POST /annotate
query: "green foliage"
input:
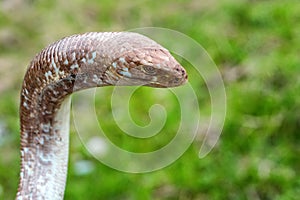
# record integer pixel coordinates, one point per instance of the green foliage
(255, 44)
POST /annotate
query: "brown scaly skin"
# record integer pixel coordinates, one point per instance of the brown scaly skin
(68, 65)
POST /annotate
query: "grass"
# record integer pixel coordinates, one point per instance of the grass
(255, 45)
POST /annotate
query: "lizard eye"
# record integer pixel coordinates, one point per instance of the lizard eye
(176, 80)
(149, 70)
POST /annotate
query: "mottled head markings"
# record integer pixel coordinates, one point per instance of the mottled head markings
(150, 67)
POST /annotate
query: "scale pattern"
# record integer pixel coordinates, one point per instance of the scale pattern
(68, 65)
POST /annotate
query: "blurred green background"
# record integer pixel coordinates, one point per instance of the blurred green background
(256, 46)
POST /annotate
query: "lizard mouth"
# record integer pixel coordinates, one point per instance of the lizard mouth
(156, 85)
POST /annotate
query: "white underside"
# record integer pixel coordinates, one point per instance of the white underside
(56, 187)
